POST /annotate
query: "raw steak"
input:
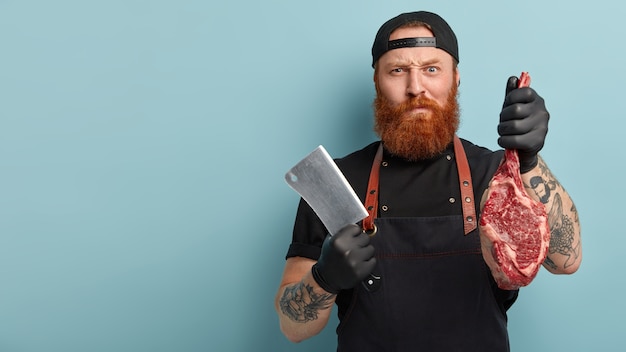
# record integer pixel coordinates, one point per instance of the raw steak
(514, 231)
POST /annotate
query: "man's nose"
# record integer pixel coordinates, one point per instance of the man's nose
(414, 85)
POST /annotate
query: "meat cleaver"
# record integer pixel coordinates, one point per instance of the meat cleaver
(322, 185)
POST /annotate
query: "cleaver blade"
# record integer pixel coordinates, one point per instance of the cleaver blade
(322, 185)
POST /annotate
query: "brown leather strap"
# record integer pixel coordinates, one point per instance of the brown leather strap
(371, 199)
(465, 184)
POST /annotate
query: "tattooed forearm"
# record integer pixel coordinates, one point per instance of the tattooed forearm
(562, 220)
(561, 232)
(301, 304)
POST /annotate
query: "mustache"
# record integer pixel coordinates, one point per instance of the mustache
(421, 102)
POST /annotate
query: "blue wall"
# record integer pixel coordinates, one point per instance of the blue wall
(143, 146)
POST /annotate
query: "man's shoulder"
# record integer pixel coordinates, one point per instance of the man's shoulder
(483, 161)
(356, 166)
(359, 157)
(474, 151)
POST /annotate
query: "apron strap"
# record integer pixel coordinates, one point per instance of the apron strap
(371, 199)
(465, 184)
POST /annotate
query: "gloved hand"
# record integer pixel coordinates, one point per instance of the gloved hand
(347, 258)
(523, 123)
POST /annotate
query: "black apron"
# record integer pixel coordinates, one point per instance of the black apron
(430, 291)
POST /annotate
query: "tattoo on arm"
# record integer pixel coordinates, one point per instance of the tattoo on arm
(550, 263)
(548, 189)
(541, 188)
(575, 212)
(302, 305)
(561, 232)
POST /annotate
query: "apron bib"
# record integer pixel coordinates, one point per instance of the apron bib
(430, 291)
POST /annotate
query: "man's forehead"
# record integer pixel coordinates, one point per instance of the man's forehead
(410, 32)
(419, 56)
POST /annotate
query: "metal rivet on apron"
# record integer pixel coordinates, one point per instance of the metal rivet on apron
(372, 283)
(384, 163)
(468, 199)
(451, 200)
(385, 208)
(465, 183)
(470, 219)
(448, 157)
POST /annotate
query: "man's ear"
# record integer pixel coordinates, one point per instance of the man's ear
(375, 73)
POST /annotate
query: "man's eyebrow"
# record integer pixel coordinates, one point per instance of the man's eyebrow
(406, 62)
(430, 62)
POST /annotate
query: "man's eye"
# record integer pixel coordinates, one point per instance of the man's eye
(397, 70)
(432, 69)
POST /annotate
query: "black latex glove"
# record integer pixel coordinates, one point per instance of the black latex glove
(523, 123)
(347, 258)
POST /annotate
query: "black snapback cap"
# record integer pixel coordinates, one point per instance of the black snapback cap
(444, 37)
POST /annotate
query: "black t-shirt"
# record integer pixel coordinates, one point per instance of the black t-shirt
(406, 189)
(425, 188)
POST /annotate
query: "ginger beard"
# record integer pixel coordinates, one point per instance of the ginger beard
(416, 136)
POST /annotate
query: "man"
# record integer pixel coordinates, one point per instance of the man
(418, 282)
